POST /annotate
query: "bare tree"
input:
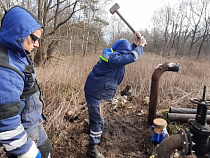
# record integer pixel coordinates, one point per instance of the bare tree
(205, 27)
(54, 15)
(183, 29)
(60, 18)
(195, 19)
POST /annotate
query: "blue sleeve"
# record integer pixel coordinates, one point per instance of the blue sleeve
(12, 134)
(118, 60)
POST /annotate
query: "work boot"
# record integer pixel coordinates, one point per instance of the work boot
(92, 152)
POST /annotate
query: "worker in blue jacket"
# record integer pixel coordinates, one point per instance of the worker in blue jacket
(102, 83)
(21, 131)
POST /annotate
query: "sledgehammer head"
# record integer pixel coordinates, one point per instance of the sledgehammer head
(114, 8)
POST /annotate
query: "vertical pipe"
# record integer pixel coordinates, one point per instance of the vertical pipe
(154, 93)
(167, 66)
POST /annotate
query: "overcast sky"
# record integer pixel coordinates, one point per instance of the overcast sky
(138, 13)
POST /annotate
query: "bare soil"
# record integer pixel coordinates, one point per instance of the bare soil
(126, 133)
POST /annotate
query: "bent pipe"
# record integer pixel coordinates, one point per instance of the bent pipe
(184, 117)
(185, 110)
(169, 145)
(167, 66)
(179, 141)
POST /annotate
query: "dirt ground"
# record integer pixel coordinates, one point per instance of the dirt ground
(126, 132)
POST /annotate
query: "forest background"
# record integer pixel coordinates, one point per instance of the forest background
(81, 27)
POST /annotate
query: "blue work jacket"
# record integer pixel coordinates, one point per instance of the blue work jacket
(20, 104)
(109, 71)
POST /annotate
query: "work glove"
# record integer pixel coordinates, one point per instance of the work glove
(39, 155)
(33, 152)
(140, 40)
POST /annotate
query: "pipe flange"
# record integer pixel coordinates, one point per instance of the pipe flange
(191, 143)
(185, 142)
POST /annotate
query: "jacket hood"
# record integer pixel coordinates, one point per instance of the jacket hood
(17, 24)
(122, 46)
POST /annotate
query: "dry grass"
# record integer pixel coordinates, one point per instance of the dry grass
(62, 83)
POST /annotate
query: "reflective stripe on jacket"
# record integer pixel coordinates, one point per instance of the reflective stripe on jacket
(109, 71)
(20, 104)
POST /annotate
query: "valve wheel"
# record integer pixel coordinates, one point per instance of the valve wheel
(200, 102)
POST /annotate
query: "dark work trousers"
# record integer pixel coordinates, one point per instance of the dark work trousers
(95, 118)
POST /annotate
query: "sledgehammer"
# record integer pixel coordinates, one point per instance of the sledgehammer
(114, 9)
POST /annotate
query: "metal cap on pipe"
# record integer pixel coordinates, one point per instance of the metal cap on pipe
(159, 125)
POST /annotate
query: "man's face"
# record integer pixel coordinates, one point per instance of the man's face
(31, 41)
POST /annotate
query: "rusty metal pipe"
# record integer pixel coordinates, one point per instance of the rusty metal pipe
(179, 141)
(183, 117)
(185, 110)
(168, 66)
(169, 145)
